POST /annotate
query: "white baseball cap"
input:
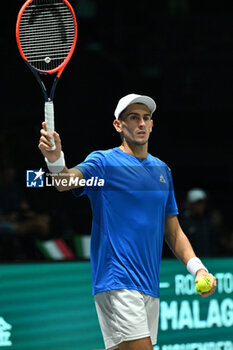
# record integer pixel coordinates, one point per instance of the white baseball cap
(196, 194)
(127, 100)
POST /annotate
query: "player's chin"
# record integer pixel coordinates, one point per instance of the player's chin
(141, 141)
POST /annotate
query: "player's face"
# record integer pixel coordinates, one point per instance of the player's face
(136, 124)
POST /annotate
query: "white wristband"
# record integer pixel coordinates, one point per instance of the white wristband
(195, 264)
(58, 165)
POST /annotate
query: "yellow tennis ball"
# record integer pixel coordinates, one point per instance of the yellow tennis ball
(203, 285)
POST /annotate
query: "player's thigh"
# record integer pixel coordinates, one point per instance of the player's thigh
(152, 309)
(138, 344)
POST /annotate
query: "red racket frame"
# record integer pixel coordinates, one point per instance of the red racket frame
(62, 66)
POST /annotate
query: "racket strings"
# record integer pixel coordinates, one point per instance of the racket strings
(46, 33)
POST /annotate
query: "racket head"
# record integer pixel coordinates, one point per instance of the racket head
(46, 34)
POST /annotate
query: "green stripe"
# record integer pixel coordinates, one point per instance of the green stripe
(78, 246)
(43, 250)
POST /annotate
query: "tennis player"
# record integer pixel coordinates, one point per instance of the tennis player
(132, 213)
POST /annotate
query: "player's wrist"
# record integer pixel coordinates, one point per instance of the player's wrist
(58, 165)
(194, 265)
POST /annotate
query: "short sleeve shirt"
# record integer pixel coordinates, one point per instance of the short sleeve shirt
(129, 211)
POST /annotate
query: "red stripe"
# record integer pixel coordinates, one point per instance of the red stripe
(64, 249)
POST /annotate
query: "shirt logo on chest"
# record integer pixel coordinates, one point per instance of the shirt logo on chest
(161, 179)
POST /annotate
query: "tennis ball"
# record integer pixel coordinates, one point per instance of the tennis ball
(203, 285)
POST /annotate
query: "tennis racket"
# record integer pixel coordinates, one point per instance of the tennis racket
(46, 35)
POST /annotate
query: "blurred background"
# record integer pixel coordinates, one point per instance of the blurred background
(179, 52)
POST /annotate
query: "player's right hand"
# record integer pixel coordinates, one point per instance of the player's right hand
(45, 144)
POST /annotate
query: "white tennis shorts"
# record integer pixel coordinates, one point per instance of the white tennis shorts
(127, 315)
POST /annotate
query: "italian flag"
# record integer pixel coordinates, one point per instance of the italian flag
(55, 249)
(82, 246)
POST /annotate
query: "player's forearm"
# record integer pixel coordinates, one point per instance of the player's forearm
(67, 179)
(180, 246)
(64, 179)
(177, 240)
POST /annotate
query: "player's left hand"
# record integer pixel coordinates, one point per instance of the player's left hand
(202, 273)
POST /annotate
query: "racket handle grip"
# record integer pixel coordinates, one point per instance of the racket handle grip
(49, 118)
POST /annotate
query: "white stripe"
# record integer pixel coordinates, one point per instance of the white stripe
(86, 242)
(53, 250)
(164, 285)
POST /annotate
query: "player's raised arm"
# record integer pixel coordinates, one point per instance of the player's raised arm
(56, 162)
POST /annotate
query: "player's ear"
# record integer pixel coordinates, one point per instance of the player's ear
(152, 124)
(117, 125)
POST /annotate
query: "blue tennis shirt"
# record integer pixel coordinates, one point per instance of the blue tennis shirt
(128, 219)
